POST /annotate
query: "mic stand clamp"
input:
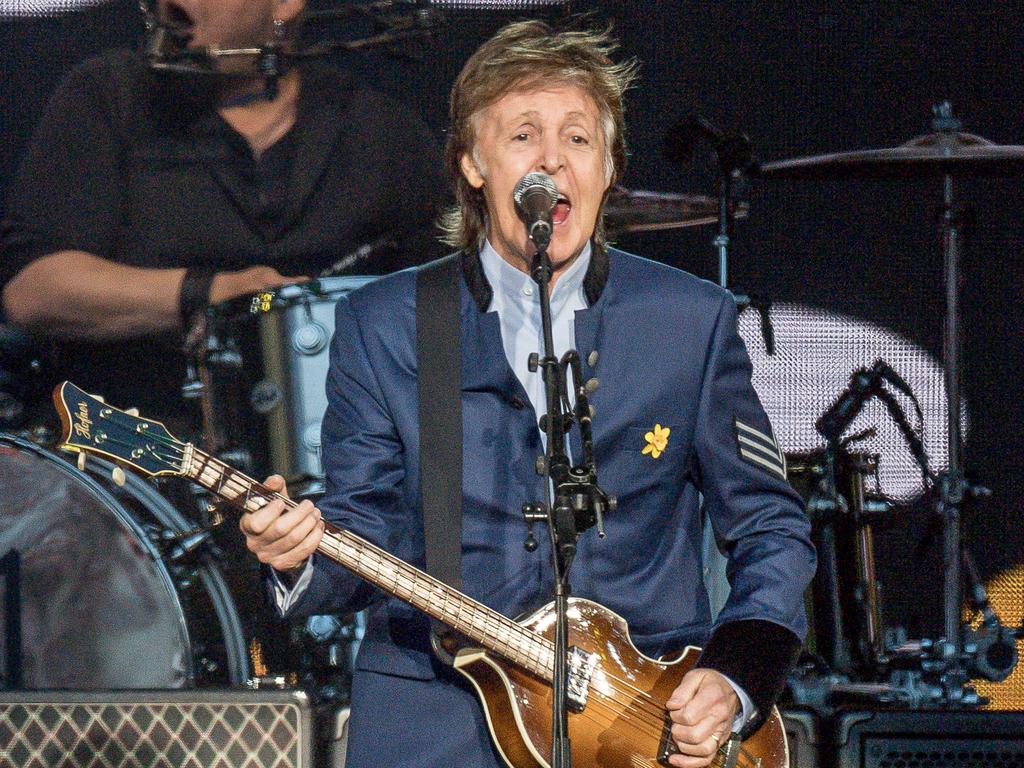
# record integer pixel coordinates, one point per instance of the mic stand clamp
(578, 503)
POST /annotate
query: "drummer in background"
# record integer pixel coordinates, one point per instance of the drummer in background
(146, 196)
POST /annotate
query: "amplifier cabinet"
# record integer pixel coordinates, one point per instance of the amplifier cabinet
(155, 729)
(802, 735)
(930, 739)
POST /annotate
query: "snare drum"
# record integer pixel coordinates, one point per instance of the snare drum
(87, 596)
(265, 373)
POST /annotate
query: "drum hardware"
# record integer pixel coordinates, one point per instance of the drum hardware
(167, 48)
(183, 547)
(259, 373)
(100, 606)
(734, 155)
(991, 648)
(214, 377)
(380, 246)
(946, 153)
(327, 646)
(262, 371)
(636, 210)
(846, 622)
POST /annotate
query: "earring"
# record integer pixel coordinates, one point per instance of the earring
(279, 30)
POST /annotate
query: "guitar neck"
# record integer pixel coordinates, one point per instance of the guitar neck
(475, 621)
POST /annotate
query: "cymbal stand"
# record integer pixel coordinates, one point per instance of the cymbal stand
(951, 481)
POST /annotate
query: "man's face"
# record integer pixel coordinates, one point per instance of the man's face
(556, 131)
(221, 23)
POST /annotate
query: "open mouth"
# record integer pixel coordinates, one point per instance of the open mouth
(561, 210)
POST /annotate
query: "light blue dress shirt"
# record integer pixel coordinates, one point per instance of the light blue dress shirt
(516, 299)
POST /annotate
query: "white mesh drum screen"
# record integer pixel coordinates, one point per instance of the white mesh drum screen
(815, 353)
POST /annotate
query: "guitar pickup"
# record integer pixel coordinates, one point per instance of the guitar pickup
(580, 671)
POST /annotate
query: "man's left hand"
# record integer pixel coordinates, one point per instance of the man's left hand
(702, 710)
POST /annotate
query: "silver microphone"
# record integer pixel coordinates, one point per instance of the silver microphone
(535, 195)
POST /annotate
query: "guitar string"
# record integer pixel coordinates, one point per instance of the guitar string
(232, 475)
(232, 480)
(236, 481)
(639, 721)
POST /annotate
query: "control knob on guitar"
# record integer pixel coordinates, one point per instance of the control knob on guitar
(617, 696)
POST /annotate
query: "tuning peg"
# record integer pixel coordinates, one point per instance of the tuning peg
(132, 411)
(81, 461)
(117, 475)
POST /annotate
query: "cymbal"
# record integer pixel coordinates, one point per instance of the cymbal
(636, 210)
(933, 154)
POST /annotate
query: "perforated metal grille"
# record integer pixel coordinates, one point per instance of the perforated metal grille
(1006, 593)
(816, 351)
(495, 5)
(14, 9)
(944, 753)
(123, 735)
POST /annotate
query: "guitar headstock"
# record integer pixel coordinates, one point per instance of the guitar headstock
(91, 426)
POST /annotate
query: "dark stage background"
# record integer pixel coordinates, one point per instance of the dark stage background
(800, 79)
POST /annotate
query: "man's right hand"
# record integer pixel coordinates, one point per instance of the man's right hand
(244, 282)
(283, 538)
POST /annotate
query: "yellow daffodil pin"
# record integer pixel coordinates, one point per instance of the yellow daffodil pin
(657, 439)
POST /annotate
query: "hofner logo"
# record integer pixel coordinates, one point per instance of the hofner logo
(84, 423)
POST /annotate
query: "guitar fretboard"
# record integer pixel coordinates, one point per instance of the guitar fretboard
(474, 620)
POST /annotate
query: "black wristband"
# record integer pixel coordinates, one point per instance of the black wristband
(194, 294)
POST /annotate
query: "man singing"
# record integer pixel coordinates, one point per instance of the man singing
(676, 426)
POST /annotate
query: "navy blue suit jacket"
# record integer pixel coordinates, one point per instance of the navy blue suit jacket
(668, 354)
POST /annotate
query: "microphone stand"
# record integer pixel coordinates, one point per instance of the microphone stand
(734, 152)
(578, 501)
(165, 45)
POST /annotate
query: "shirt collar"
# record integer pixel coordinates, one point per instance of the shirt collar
(509, 282)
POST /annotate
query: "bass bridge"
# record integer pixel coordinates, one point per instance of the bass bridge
(728, 752)
(580, 670)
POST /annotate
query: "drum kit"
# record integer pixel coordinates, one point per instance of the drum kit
(119, 583)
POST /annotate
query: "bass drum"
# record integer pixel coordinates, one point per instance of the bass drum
(87, 597)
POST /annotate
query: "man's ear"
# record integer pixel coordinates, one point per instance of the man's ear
(471, 171)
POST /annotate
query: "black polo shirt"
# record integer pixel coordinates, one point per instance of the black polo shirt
(138, 169)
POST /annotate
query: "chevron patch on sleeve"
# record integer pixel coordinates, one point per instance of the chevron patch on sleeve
(759, 449)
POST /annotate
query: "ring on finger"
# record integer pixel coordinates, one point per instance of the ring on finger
(717, 738)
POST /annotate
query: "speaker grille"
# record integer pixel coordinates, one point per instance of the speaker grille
(127, 731)
(930, 739)
(937, 753)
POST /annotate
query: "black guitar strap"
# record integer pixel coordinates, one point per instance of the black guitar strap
(439, 381)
